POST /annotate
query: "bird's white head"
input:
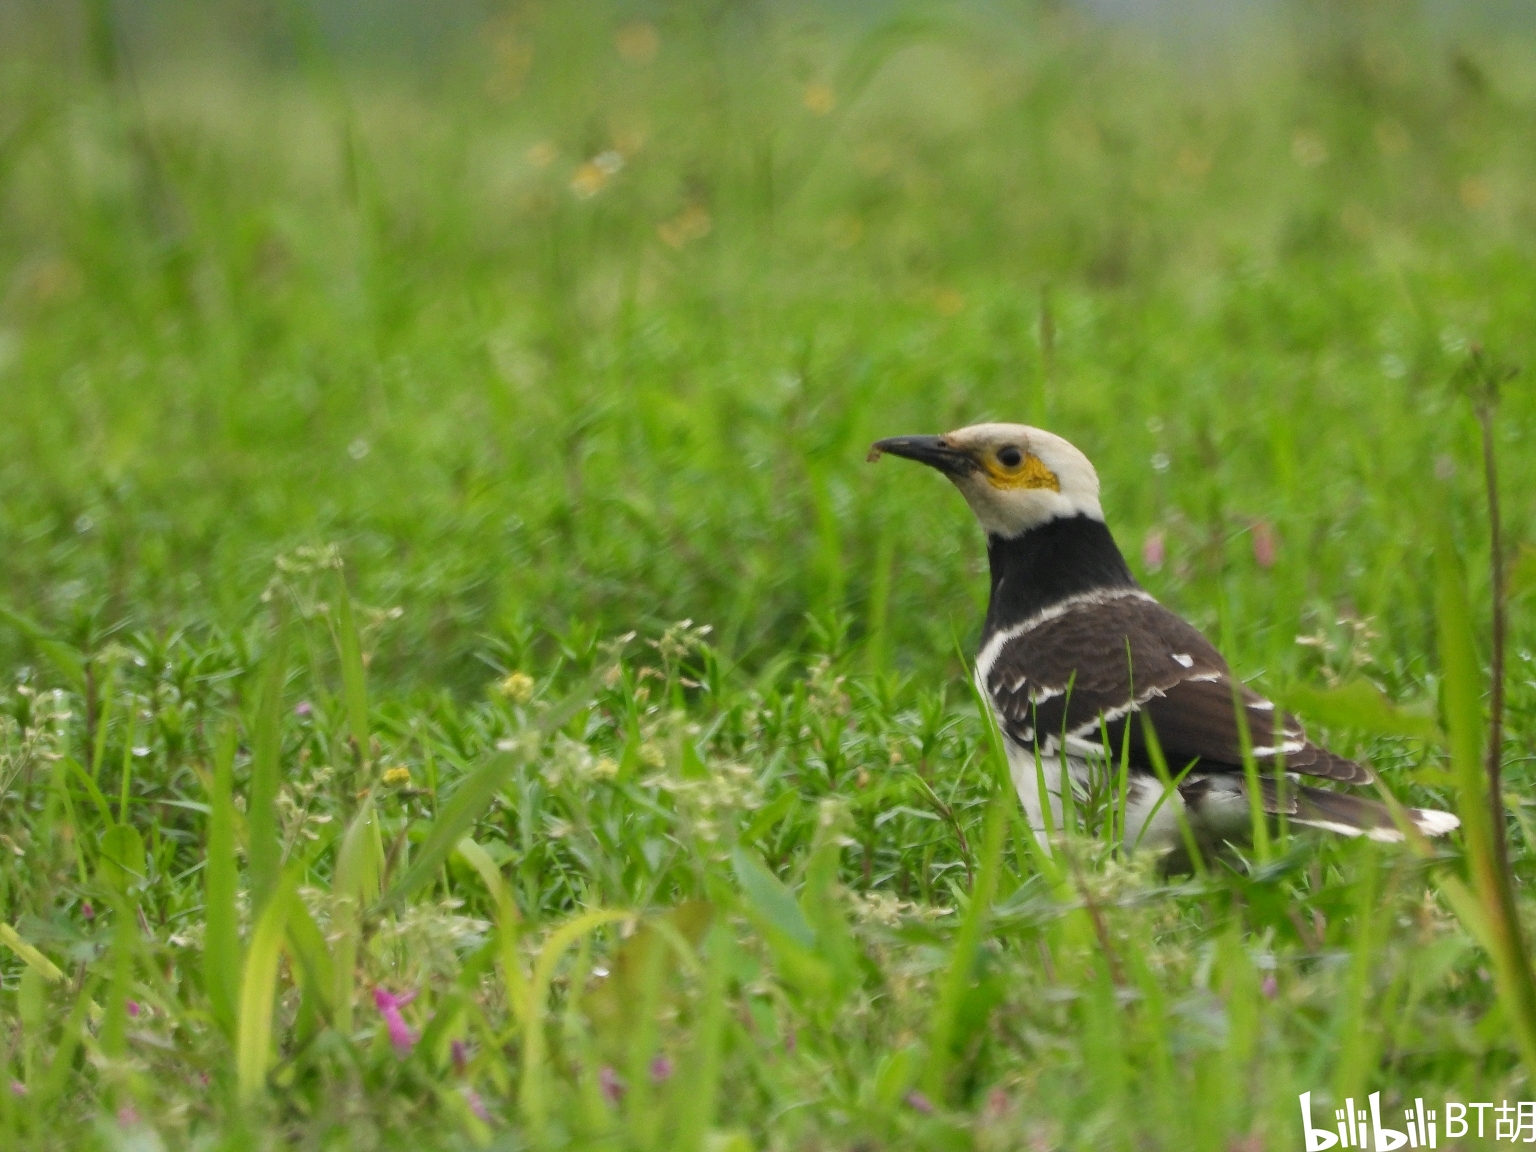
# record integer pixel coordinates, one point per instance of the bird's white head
(1014, 477)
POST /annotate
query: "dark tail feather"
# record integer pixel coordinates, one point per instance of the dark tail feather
(1302, 806)
(1354, 816)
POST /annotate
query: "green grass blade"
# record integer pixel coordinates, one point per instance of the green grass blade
(104, 721)
(470, 800)
(467, 804)
(103, 809)
(354, 886)
(353, 678)
(264, 853)
(1026, 844)
(819, 900)
(1069, 821)
(1357, 1039)
(127, 775)
(770, 900)
(793, 940)
(70, 1035)
(67, 660)
(33, 958)
(114, 1022)
(221, 935)
(877, 623)
(508, 925)
(1363, 707)
(1170, 791)
(258, 994)
(71, 826)
(769, 815)
(1465, 734)
(962, 956)
(312, 964)
(120, 857)
(701, 1083)
(533, 1091)
(1257, 820)
(480, 860)
(1463, 708)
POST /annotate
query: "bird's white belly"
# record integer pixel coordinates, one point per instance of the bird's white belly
(1030, 774)
(1148, 824)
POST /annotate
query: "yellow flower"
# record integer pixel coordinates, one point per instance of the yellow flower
(591, 177)
(588, 181)
(819, 98)
(518, 688)
(692, 223)
(398, 776)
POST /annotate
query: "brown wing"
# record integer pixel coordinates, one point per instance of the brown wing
(1087, 671)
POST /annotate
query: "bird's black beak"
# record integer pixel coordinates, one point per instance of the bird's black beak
(934, 451)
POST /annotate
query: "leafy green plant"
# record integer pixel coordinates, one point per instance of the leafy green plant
(622, 790)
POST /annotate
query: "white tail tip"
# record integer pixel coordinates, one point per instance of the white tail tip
(1432, 822)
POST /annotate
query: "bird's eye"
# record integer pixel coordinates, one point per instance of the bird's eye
(1010, 457)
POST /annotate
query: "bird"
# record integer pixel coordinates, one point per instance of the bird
(1078, 661)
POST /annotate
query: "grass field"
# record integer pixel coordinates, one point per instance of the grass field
(462, 685)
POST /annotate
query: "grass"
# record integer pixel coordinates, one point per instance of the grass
(463, 687)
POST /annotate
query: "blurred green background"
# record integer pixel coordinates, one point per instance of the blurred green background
(585, 313)
(560, 321)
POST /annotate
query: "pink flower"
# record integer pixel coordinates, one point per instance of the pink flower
(1263, 544)
(302, 708)
(400, 1035)
(661, 1069)
(18, 1088)
(476, 1105)
(127, 1116)
(87, 909)
(918, 1101)
(133, 1009)
(1153, 550)
(611, 1084)
(1270, 987)
(460, 1053)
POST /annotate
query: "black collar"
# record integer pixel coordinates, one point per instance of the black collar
(1064, 557)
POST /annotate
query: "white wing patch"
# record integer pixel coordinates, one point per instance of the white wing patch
(994, 646)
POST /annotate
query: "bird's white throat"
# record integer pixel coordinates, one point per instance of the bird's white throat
(1007, 510)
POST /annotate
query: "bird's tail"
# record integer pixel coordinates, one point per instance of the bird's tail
(1354, 816)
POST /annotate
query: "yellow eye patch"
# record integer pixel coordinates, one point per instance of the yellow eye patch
(1030, 472)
